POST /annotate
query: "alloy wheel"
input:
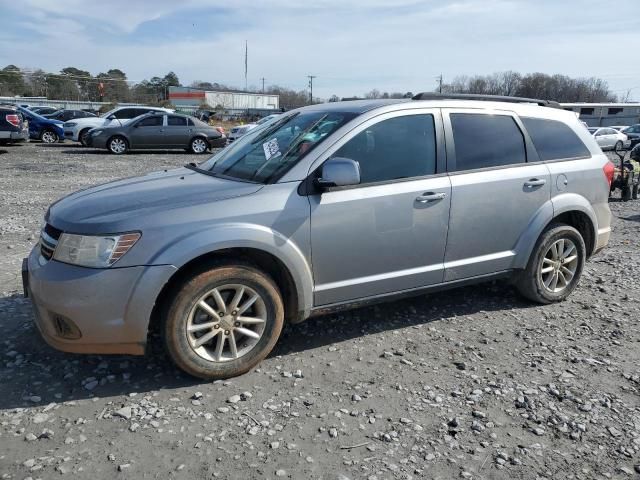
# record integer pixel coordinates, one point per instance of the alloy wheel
(226, 323)
(199, 145)
(117, 145)
(559, 265)
(49, 137)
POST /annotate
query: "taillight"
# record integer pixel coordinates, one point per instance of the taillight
(220, 129)
(609, 171)
(13, 119)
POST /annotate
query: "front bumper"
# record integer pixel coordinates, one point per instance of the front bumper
(86, 310)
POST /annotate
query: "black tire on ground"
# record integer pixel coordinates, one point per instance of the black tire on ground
(4, 142)
(530, 284)
(49, 136)
(118, 145)
(82, 137)
(186, 296)
(198, 145)
(626, 193)
(618, 146)
(634, 191)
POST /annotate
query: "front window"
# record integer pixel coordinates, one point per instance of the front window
(269, 150)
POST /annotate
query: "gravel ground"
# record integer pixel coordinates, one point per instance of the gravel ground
(471, 383)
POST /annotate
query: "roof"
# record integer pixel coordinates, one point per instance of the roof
(612, 105)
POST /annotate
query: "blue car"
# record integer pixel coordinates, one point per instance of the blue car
(40, 128)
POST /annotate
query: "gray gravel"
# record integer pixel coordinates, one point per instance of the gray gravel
(471, 383)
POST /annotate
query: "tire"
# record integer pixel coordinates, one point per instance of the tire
(49, 136)
(532, 283)
(198, 145)
(626, 189)
(118, 145)
(634, 191)
(82, 137)
(208, 360)
(618, 146)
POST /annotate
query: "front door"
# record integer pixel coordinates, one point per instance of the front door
(387, 234)
(148, 132)
(497, 187)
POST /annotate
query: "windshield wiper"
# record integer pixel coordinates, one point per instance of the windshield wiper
(195, 168)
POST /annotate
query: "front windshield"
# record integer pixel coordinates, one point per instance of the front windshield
(270, 149)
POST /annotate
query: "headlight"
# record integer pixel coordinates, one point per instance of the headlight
(70, 124)
(93, 251)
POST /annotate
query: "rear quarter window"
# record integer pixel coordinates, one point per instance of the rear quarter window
(554, 140)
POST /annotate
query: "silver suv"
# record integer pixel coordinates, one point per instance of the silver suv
(322, 208)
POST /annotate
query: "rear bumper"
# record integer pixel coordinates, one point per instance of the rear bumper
(85, 310)
(21, 136)
(602, 239)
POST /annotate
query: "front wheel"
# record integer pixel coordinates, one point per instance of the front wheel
(49, 136)
(223, 321)
(555, 265)
(198, 145)
(117, 145)
(84, 135)
(618, 146)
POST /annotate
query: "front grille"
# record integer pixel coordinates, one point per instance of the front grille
(49, 241)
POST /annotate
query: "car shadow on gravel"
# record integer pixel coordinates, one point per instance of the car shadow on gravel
(33, 374)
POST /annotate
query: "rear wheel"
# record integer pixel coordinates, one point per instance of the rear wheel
(618, 146)
(118, 145)
(198, 145)
(555, 265)
(49, 136)
(223, 322)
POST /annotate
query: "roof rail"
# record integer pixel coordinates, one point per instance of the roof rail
(487, 98)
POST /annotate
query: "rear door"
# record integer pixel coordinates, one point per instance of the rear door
(177, 132)
(497, 186)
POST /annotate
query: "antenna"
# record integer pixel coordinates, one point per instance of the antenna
(311, 77)
(246, 63)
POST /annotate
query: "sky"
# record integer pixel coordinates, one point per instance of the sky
(351, 46)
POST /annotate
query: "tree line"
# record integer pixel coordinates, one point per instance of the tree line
(112, 86)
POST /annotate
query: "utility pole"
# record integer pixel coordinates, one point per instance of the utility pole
(311, 77)
(262, 84)
(439, 83)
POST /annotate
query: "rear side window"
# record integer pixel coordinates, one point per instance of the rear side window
(483, 141)
(554, 140)
(125, 113)
(176, 121)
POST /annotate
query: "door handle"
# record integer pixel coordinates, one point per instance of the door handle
(535, 182)
(430, 197)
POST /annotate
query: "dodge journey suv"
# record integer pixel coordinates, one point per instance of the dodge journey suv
(321, 208)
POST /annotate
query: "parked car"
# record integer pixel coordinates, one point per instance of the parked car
(41, 128)
(77, 129)
(633, 133)
(66, 115)
(239, 130)
(329, 206)
(44, 110)
(609, 138)
(13, 127)
(157, 130)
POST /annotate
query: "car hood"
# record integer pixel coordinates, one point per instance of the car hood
(125, 205)
(93, 122)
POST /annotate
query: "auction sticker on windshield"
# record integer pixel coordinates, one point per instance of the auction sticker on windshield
(271, 149)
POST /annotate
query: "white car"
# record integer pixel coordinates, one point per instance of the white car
(609, 138)
(239, 130)
(78, 128)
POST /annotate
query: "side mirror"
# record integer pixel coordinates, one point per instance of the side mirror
(111, 117)
(339, 172)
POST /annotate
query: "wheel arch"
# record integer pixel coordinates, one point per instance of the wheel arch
(570, 209)
(263, 248)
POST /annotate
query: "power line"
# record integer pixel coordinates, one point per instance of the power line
(311, 77)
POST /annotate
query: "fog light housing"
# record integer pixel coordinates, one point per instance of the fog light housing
(64, 327)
